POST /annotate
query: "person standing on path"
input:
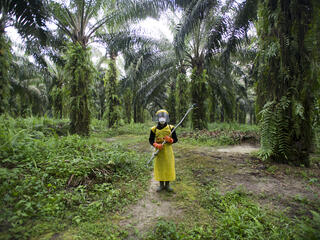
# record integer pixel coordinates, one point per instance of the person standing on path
(164, 165)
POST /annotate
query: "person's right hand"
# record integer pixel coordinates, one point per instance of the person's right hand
(158, 145)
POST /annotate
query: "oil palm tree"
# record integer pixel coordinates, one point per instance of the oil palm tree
(58, 80)
(198, 37)
(80, 21)
(214, 34)
(288, 70)
(28, 16)
(149, 67)
(29, 94)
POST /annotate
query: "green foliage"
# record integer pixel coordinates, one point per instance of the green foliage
(103, 230)
(80, 72)
(271, 116)
(5, 57)
(57, 95)
(203, 139)
(99, 129)
(309, 229)
(59, 92)
(276, 133)
(29, 88)
(67, 179)
(164, 231)
(171, 103)
(233, 127)
(127, 105)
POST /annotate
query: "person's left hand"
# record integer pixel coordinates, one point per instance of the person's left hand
(168, 139)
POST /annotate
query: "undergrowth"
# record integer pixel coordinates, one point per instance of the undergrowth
(220, 134)
(46, 179)
(99, 128)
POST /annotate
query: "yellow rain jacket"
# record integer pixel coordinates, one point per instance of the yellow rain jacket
(164, 166)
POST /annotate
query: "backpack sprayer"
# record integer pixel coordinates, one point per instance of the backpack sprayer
(156, 152)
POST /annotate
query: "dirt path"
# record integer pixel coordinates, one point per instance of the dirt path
(145, 213)
(244, 148)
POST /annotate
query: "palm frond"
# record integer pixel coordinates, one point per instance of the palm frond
(191, 20)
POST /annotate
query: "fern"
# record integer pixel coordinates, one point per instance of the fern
(282, 138)
(274, 125)
(268, 130)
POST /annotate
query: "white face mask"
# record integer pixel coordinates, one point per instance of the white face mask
(162, 120)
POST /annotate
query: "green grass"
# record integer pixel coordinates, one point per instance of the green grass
(205, 140)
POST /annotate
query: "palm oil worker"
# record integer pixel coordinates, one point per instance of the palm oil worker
(164, 165)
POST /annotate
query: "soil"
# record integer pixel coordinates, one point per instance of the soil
(276, 186)
(144, 214)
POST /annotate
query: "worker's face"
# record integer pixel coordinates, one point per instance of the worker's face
(162, 120)
(162, 117)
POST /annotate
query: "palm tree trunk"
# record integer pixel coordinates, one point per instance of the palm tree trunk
(182, 95)
(5, 57)
(287, 81)
(113, 99)
(171, 103)
(79, 67)
(199, 95)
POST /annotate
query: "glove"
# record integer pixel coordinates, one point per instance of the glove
(158, 145)
(168, 139)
